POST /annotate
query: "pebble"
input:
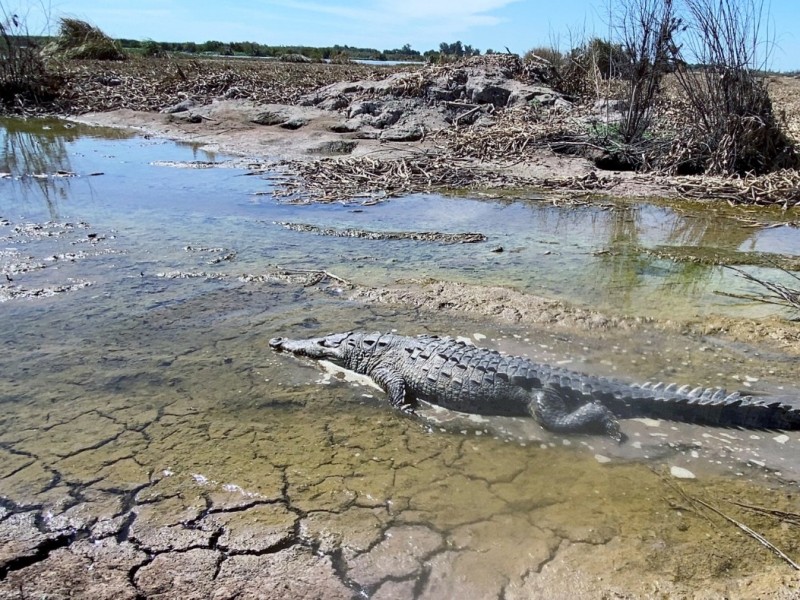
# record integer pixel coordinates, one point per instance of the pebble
(681, 473)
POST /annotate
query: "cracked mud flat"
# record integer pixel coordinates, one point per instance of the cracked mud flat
(202, 465)
(152, 446)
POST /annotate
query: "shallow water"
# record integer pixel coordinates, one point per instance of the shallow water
(149, 411)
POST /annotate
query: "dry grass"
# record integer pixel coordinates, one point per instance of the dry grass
(79, 40)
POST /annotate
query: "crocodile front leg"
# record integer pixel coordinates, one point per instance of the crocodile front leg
(394, 385)
(549, 408)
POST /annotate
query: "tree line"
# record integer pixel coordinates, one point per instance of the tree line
(406, 52)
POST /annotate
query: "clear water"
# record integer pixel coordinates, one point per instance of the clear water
(134, 377)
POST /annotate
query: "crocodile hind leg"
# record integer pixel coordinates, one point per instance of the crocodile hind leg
(550, 409)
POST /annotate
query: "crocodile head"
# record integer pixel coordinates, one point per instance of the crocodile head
(330, 347)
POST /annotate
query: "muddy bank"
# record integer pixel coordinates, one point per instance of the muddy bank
(505, 305)
(449, 115)
(227, 126)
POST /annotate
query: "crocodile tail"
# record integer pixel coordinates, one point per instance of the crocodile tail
(710, 406)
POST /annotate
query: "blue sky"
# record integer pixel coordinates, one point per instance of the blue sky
(382, 24)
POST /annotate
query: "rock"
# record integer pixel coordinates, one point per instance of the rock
(346, 126)
(410, 132)
(681, 473)
(108, 80)
(362, 108)
(389, 115)
(295, 123)
(269, 117)
(335, 147)
(335, 102)
(443, 94)
(179, 107)
(285, 117)
(562, 104)
(609, 105)
(186, 117)
(482, 90)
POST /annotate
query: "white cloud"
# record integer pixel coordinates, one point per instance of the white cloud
(446, 15)
(444, 9)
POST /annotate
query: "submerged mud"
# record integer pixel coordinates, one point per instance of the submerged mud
(201, 463)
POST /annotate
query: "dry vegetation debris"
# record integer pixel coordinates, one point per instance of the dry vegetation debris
(156, 83)
(335, 180)
(779, 188)
(512, 135)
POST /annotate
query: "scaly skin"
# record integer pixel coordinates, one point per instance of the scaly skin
(466, 378)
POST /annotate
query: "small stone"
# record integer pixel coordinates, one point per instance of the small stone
(681, 473)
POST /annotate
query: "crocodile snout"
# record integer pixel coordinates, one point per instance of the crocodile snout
(276, 343)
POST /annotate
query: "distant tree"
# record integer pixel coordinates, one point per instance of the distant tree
(152, 49)
(457, 49)
(212, 46)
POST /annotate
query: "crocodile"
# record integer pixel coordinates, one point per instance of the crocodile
(460, 376)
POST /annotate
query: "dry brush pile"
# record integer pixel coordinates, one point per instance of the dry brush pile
(338, 180)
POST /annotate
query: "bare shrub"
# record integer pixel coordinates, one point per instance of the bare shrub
(729, 123)
(24, 77)
(647, 30)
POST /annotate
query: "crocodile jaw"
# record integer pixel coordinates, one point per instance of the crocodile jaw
(328, 347)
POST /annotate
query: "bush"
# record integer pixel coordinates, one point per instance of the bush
(152, 49)
(23, 74)
(79, 40)
(729, 123)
